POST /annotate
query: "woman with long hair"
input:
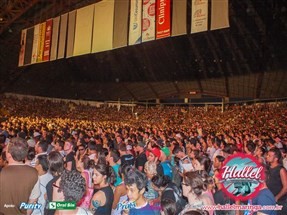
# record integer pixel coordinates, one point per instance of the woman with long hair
(83, 166)
(194, 188)
(102, 201)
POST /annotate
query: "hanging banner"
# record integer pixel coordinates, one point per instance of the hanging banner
(219, 14)
(103, 26)
(29, 46)
(84, 30)
(42, 31)
(55, 38)
(47, 41)
(71, 33)
(199, 16)
(179, 17)
(148, 20)
(135, 31)
(22, 48)
(62, 36)
(163, 19)
(35, 44)
(121, 23)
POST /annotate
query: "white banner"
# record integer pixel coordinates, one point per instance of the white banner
(199, 15)
(148, 20)
(135, 31)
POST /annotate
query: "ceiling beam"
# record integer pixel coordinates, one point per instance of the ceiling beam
(14, 10)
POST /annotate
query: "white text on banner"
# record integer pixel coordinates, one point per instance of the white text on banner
(163, 19)
(199, 15)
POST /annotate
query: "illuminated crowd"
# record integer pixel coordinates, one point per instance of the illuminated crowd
(136, 160)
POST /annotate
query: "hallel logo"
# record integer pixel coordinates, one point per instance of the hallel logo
(241, 176)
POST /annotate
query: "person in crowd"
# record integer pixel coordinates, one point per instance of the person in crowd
(150, 170)
(42, 168)
(136, 182)
(264, 198)
(83, 166)
(92, 147)
(30, 156)
(218, 162)
(56, 168)
(12, 192)
(3, 160)
(260, 154)
(59, 147)
(153, 155)
(102, 201)
(125, 157)
(194, 190)
(165, 162)
(71, 187)
(141, 158)
(185, 164)
(120, 192)
(40, 149)
(69, 159)
(276, 179)
(168, 190)
(113, 158)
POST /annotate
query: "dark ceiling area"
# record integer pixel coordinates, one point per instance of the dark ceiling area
(249, 59)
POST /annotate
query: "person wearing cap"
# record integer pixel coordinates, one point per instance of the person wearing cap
(153, 155)
(141, 158)
(165, 162)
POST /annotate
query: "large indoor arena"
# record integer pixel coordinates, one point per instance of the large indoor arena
(143, 107)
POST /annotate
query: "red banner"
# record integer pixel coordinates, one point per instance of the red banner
(162, 19)
(48, 37)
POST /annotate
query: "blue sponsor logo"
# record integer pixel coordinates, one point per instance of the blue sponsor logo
(27, 206)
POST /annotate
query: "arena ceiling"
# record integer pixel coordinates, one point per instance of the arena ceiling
(247, 60)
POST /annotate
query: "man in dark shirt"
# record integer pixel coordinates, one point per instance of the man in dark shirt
(141, 158)
(70, 163)
(125, 157)
(276, 179)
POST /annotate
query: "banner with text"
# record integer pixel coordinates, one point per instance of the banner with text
(47, 41)
(103, 26)
(42, 31)
(219, 14)
(199, 16)
(135, 30)
(162, 19)
(148, 20)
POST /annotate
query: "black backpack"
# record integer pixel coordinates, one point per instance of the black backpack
(180, 201)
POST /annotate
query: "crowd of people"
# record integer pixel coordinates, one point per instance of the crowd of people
(161, 160)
